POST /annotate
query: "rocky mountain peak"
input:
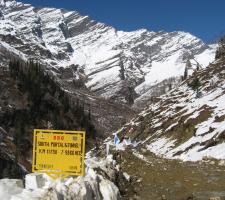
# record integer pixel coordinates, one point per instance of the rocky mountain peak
(108, 60)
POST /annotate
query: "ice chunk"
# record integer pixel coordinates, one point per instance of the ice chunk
(34, 181)
(10, 187)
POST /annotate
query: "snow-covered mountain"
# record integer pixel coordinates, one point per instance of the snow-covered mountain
(116, 65)
(188, 122)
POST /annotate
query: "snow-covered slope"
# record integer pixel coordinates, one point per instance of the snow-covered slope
(189, 122)
(114, 64)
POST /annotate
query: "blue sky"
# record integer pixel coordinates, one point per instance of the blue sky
(203, 18)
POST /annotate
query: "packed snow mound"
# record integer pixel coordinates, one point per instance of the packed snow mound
(187, 123)
(10, 187)
(94, 185)
(117, 65)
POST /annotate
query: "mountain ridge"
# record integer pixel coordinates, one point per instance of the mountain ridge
(109, 61)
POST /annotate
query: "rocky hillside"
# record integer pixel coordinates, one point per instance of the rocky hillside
(116, 65)
(30, 99)
(187, 123)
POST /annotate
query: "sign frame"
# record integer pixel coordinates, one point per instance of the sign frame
(56, 172)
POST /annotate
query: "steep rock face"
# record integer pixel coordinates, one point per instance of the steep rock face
(114, 64)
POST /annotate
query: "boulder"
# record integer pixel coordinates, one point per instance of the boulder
(108, 190)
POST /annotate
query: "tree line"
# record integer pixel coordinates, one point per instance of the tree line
(47, 102)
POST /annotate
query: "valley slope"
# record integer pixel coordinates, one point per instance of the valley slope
(188, 122)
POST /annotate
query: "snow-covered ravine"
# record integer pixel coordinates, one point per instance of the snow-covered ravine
(110, 62)
(183, 124)
(96, 184)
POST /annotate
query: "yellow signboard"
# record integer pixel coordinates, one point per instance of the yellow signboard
(58, 153)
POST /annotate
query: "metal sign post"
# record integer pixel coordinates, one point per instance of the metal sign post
(58, 153)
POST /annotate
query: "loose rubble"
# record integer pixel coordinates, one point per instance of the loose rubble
(96, 184)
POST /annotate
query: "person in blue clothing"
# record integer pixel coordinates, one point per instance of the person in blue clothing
(116, 139)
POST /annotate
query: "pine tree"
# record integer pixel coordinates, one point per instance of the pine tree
(195, 84)
(220, 52)
(185, 73)
(188, 64)
(122, 71)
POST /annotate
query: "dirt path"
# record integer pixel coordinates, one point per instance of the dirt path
(172, 179)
